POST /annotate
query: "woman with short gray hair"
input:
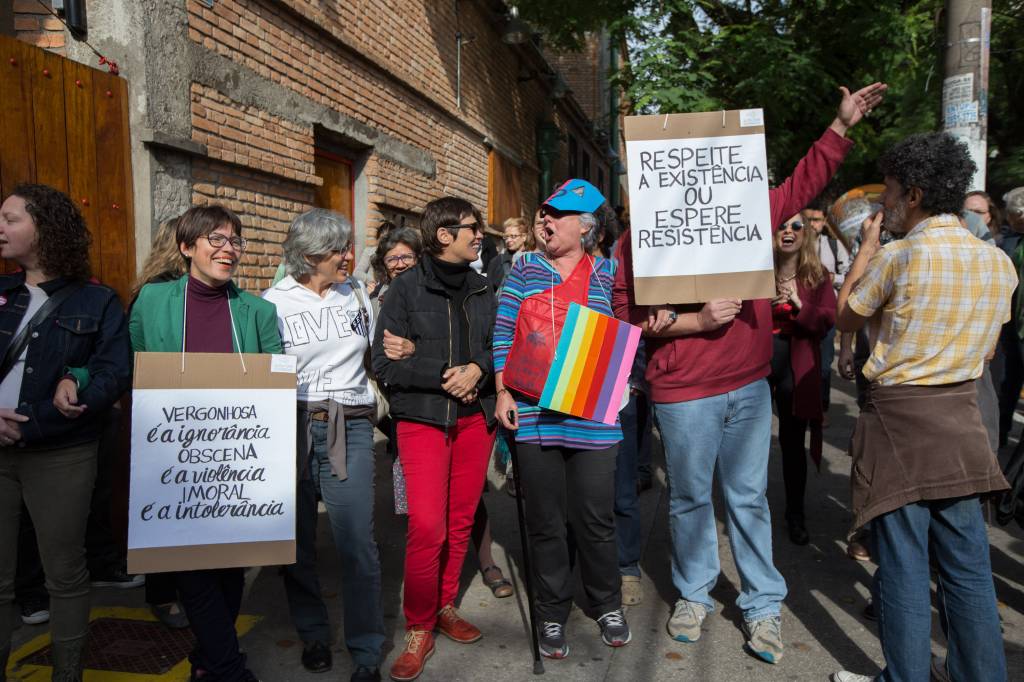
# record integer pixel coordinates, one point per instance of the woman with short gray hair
(325, 324)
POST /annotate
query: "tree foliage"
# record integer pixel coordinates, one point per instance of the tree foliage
(790, 56)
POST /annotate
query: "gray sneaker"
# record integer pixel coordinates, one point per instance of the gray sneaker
(846, 676)
(764, 638)
(687, 617)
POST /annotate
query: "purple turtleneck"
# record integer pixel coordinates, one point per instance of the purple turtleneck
(208, 319)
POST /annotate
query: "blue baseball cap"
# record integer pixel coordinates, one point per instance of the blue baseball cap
(575, 196)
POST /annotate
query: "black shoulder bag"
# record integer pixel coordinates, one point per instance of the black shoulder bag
(20, 341)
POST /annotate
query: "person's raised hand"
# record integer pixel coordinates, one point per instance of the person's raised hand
(871, 231)
(855, 106)
(719, 312)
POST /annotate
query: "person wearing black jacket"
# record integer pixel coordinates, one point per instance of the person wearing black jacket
(442, 398)
(66, 359)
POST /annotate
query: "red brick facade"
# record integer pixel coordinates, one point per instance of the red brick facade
(34, 24)
(388, 69)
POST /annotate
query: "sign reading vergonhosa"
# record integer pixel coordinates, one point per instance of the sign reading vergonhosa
(213, 461)
(699, 213)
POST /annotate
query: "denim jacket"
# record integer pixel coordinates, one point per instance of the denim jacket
(87, 331)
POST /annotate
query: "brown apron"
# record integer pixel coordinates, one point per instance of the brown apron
(916, 443)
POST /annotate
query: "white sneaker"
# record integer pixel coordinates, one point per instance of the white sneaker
(687, 617)
(844, 676)
(939, 672)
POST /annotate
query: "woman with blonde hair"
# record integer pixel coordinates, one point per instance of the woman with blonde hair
(802, 313)
(164, 262)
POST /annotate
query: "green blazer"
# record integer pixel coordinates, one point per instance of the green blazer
(158, 314)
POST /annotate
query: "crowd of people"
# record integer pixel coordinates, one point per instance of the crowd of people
(432, 354)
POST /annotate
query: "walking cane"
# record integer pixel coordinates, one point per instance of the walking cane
(538, 664)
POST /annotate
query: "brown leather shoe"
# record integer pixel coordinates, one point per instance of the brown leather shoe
(455, 627)
(419, 646)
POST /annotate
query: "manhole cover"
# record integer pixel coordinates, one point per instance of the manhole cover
(128, 646)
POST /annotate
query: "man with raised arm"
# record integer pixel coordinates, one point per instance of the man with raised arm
(707, 368)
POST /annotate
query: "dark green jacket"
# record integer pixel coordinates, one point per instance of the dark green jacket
(158, 314)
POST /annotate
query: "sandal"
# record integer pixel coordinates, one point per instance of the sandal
(500, 587)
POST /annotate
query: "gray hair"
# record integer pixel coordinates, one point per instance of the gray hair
(1015, 202)
(589, 220)
(314, 233)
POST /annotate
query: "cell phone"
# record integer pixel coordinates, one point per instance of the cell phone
(511, 415)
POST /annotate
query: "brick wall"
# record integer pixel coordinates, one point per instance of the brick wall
(34, 24)
(387, 65)
(266, 204)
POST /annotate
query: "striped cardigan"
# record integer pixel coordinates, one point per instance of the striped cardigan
(533, 274)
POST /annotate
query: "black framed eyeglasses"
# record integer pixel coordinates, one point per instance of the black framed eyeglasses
(218, 240)
(405, 259)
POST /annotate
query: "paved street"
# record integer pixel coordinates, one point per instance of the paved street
(822, 623)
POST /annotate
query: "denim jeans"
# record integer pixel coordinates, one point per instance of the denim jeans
(728, 435)
(959, 540)
(636, 439)
(350, 512)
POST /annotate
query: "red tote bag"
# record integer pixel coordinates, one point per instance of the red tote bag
(538, 326)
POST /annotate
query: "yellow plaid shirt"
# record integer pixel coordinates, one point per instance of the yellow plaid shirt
(943, 295)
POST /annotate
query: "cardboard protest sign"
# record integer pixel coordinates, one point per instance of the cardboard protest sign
(698, 201)
(213, 462)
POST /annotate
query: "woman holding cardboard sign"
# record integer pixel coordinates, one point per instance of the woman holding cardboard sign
(567, 464)
(204, 312)
(53, 317)
(442, 399)
(325, 319)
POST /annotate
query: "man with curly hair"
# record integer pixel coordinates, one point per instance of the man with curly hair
(921, 456)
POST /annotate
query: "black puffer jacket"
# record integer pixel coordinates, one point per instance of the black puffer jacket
(419, 308)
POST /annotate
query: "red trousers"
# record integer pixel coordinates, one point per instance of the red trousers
(444, 476)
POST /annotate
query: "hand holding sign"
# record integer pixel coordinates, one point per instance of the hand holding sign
(719, 312)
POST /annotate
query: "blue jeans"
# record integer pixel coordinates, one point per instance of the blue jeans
(636, 439)
(350, 511)
(727, 434)
(967, 597)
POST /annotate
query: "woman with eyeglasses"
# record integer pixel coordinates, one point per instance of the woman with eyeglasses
(325, 322)
(519, 239)
(397, 251)
(803, 311)
(204, 312)
(442, 398)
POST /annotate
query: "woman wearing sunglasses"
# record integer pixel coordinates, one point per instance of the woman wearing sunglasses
(802, 313)
(442, 399)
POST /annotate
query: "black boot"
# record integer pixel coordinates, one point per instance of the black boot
(5, 653)
(797, 531)
(69, 660)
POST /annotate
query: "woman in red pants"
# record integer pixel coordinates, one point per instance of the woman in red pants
(442, 398)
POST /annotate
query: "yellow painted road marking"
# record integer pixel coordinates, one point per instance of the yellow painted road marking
(41, 673)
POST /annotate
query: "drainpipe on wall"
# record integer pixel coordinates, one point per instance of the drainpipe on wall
(613, 126)
(548, 138)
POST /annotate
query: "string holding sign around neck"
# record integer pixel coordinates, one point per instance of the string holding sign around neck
(234, 332)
